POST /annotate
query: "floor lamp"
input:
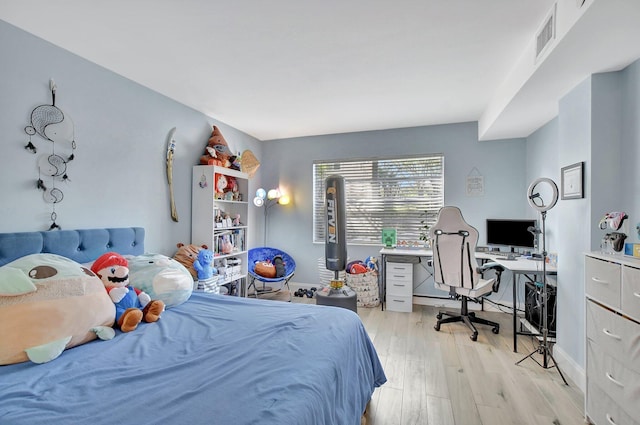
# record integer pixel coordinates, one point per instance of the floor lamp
(536, 201)
(267, 200)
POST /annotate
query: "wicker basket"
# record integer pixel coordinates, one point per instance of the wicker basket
(365, 286)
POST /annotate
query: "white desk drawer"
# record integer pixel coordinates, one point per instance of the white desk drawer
(603, 281)
(615, 335)
(401, 288)
(399, 271)
(631, 291)
(398, 303)
(620, 383)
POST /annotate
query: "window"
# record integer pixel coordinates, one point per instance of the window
(400, 193)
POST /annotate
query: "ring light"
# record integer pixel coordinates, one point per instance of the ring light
(535, 199)
(537, 202)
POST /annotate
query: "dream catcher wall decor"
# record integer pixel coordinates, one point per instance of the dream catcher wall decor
(53, 125)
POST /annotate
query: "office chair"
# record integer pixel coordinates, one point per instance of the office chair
(269, 254)
(456, 269)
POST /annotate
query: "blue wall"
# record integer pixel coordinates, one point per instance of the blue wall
(118, 177)
(598, 124)
(502, 163)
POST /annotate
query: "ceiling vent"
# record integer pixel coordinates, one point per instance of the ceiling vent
(546, 34)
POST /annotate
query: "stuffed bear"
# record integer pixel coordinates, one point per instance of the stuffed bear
(217, 151)
(132, 305)
(207, 273)
(187, 254)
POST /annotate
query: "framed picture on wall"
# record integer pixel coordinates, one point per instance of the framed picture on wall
(572, 181)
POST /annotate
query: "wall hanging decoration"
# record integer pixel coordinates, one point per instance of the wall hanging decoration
(53, 125)
(171, 148)
(572, 180)
(475, 183)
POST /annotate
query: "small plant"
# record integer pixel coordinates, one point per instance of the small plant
(424, 227)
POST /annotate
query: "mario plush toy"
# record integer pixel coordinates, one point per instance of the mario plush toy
(132, 305)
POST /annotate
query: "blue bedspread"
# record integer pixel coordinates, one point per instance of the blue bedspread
(212, 360)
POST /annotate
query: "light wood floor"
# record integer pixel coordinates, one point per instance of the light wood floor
(443, 378)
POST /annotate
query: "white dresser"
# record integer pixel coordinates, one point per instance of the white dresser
(399, 286)
(613, 339)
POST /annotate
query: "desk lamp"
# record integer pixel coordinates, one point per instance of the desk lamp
(542, 196)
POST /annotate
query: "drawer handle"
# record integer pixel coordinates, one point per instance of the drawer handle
(399, 275)
(398, 301)
(397, 284)
(615, 381)
(614, 336)
(597, 280)
(610, 419)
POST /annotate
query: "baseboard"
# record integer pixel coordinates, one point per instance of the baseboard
(297, 285)
(570, 368)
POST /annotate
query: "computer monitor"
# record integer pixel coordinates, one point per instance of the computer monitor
(511, 233)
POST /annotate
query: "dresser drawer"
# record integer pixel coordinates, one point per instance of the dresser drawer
(631, 291)
(399, 303)
(616, 335)
(619, 382)
(603, 281)
(602, 410)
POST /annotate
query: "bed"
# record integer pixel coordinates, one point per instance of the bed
(211, 359)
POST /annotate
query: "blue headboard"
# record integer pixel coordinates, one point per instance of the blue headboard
(82, 246)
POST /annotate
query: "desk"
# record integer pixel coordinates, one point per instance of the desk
(528, 268)
(520, 266)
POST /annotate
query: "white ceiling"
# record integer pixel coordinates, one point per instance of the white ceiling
(288, 68)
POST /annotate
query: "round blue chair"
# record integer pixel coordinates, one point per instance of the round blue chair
(259, 283)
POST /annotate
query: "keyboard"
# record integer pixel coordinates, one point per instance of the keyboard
(507, 256)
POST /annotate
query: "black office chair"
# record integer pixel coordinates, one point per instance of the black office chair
(456, 269)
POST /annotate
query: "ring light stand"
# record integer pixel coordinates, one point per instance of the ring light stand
(537, 202)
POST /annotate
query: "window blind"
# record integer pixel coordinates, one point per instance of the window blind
(401, 193)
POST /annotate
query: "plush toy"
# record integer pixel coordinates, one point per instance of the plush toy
(162, 277)
(221, 185)
(217, 151)
(356, 267)
(371, 263)
(187, 254)
(278, 263)
(49, 303)
(132, 305)
(207, 273)
(265, 269)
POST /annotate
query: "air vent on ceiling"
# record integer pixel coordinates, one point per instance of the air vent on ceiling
(547, 33)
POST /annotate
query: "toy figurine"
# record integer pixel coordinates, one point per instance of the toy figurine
(132, 304)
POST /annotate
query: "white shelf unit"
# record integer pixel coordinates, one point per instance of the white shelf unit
(613, 339)
(207, 205)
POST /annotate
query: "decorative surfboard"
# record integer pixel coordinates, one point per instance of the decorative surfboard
(171, 146)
